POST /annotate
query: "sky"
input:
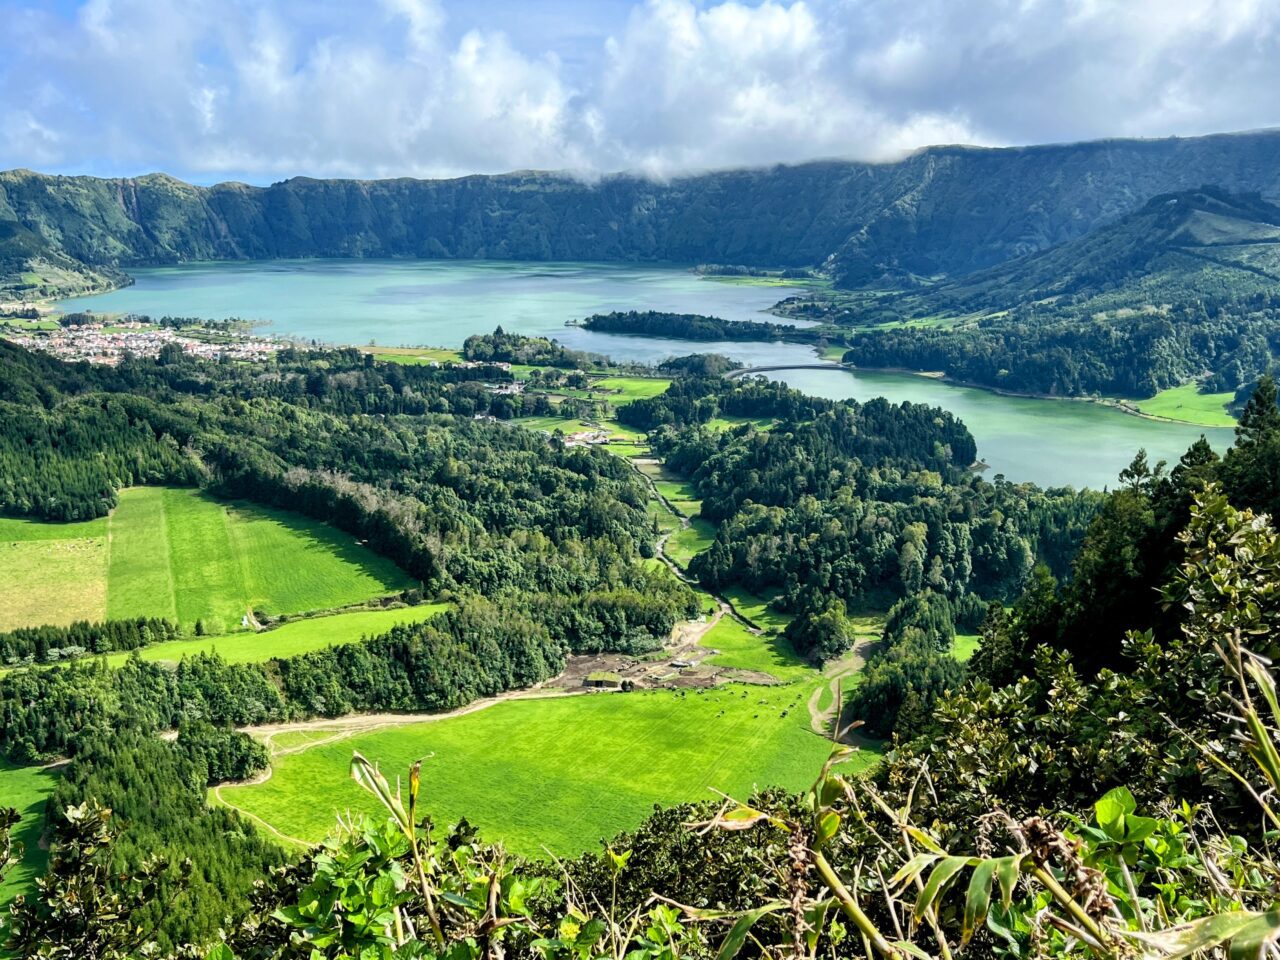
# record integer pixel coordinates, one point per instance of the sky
(262, 90)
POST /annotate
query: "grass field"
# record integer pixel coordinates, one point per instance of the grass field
(625, 389)
(559, 772)
(757, 610)
(25, 788)
(629, 449)
(679, 493)
(182, 555)
(414, 356)
(833, 353)
(965, 646)
(741, 648)
(567, 426)
(52, 581)
(1186, 403)
(691, 540)
(729, 422)
(290, 639)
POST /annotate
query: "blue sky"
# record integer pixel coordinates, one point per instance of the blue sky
(260, 90)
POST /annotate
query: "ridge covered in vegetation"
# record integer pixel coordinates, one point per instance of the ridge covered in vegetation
(942, 210)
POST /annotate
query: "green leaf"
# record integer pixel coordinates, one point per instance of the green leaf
(741, 818)
(1247, 930)
(816, 918)
(220, 952)
(828, 826)
(1008, 869)
(1114, 806)
(911, 869)
(738, 932)
(977, 900)
(938, 882)
(926, 841)
(1252, 942)
(1137, 829)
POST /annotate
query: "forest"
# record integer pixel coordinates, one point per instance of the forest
(1098, 615)
(1180, 289)
(689, 326)
(839, 505)
(1045, 802)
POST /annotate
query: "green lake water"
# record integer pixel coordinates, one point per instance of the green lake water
(1049, 442)
(440, 303)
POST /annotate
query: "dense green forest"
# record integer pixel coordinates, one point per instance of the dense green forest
(1040, 807)
(1182, 288)
(689, 326)
(837, 505)
(942, 210)
(1099, 615)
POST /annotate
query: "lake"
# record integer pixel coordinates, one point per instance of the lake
(436, 303)
(1049, 442)
(441, 302)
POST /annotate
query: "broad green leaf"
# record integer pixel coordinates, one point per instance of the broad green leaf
(1114, 806)
(828, 826)
(738, 932)
(1008, 869)
(1252, 941)
(977, 900)
(220, 952)
(938, 882)
(1137, 829)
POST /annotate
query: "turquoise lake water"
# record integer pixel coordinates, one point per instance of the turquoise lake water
(440, 303)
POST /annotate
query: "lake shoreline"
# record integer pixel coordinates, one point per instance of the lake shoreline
(1112, 403)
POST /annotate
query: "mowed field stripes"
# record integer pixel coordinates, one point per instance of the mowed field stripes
(183, 555)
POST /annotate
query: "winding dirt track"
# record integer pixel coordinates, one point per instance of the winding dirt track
(822, 719)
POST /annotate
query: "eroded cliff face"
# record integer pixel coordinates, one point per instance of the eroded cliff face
(944, 210)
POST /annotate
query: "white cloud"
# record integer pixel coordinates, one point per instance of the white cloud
(272, 88)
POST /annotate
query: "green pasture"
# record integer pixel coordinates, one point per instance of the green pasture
(1188, 404)
(769, 652)
(965, 646)
(559, 773)
(289, 639)
(625, 389)
(183, 555)
(689, 541)
(25, 789)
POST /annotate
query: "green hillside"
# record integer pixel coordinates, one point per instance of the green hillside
(1185, 289)
(939, 211)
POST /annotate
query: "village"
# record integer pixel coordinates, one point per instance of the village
(109, 343)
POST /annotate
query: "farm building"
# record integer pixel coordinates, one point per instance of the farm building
(603, 679)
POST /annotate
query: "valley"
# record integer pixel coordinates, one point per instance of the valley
(1045, 441)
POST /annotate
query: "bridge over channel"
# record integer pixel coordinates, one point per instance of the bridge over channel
(749, 371)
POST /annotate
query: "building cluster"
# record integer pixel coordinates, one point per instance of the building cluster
(100, 343)
(586, 438)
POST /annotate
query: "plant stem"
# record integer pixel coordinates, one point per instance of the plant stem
(1077, 912)
(849, 904)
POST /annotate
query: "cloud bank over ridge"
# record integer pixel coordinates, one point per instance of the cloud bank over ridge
(265, 89)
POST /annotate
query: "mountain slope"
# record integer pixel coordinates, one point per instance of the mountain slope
(939, 211)
(1187, 287)
(1176, 245)
(30, 269)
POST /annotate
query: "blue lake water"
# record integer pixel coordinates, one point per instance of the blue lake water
(441, 302)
